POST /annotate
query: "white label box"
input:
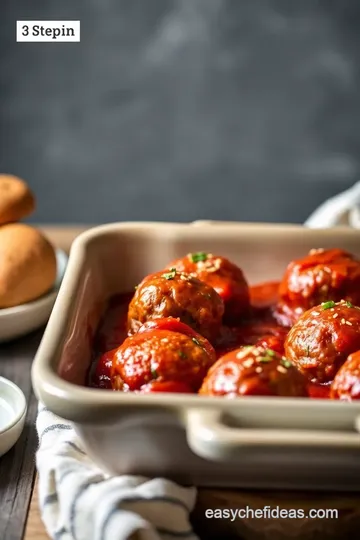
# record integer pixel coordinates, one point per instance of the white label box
(48, 31)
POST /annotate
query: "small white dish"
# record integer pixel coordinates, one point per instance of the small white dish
(21, 320)
(12, 414)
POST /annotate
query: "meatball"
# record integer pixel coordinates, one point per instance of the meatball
(225, 277)
(322, 275)
(175, 325)
(346, 385)
(254, 371)
(162, 356)
(321, 340)
(175, 294)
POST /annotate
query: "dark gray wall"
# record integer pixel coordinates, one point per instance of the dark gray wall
(183, 109)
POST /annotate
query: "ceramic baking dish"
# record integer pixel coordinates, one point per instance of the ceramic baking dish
(247, 442)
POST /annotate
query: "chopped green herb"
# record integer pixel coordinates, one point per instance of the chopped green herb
(198, 257)
(349, 304)
(182, 354)
(286, 363)
(270, 352)
(154, 373)
(264, 359)
(170, 275)
(328, 305)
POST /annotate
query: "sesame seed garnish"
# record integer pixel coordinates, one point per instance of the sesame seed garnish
(242, 353)
(258, 369)
(256, 352)
(335, 315)
(343, 321)
(315, 313)
(324, 288)
(248, 363)
(348, 323)
(281, 369)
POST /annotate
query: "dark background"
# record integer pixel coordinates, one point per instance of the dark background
(183, 109)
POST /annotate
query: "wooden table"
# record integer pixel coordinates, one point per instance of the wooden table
(19, 513)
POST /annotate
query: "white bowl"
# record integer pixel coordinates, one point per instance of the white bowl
(12, 414)
(21, 320)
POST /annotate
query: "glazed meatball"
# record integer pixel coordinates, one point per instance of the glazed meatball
(322, 275)
(175, 294)
(319, 343)
(225, 277)
(175, 325)
(346, 385)
(253, 371)
(159, 356)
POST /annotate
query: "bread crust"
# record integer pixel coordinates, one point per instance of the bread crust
(16, 199)
(28, 264)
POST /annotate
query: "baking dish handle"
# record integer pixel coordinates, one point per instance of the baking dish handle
(209, 437)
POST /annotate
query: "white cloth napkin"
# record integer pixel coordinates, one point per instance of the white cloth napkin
(343, 209)
(79, 502)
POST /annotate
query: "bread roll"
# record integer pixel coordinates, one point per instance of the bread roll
(28, 264)
(16, 199)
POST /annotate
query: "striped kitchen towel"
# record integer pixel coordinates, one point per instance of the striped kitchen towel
(79, 502)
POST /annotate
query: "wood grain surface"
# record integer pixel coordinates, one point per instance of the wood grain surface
(35, 529)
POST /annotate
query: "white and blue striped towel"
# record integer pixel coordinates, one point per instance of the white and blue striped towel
(79, 502)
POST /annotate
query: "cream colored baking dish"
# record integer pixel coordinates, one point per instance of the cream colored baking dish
(247, 442)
